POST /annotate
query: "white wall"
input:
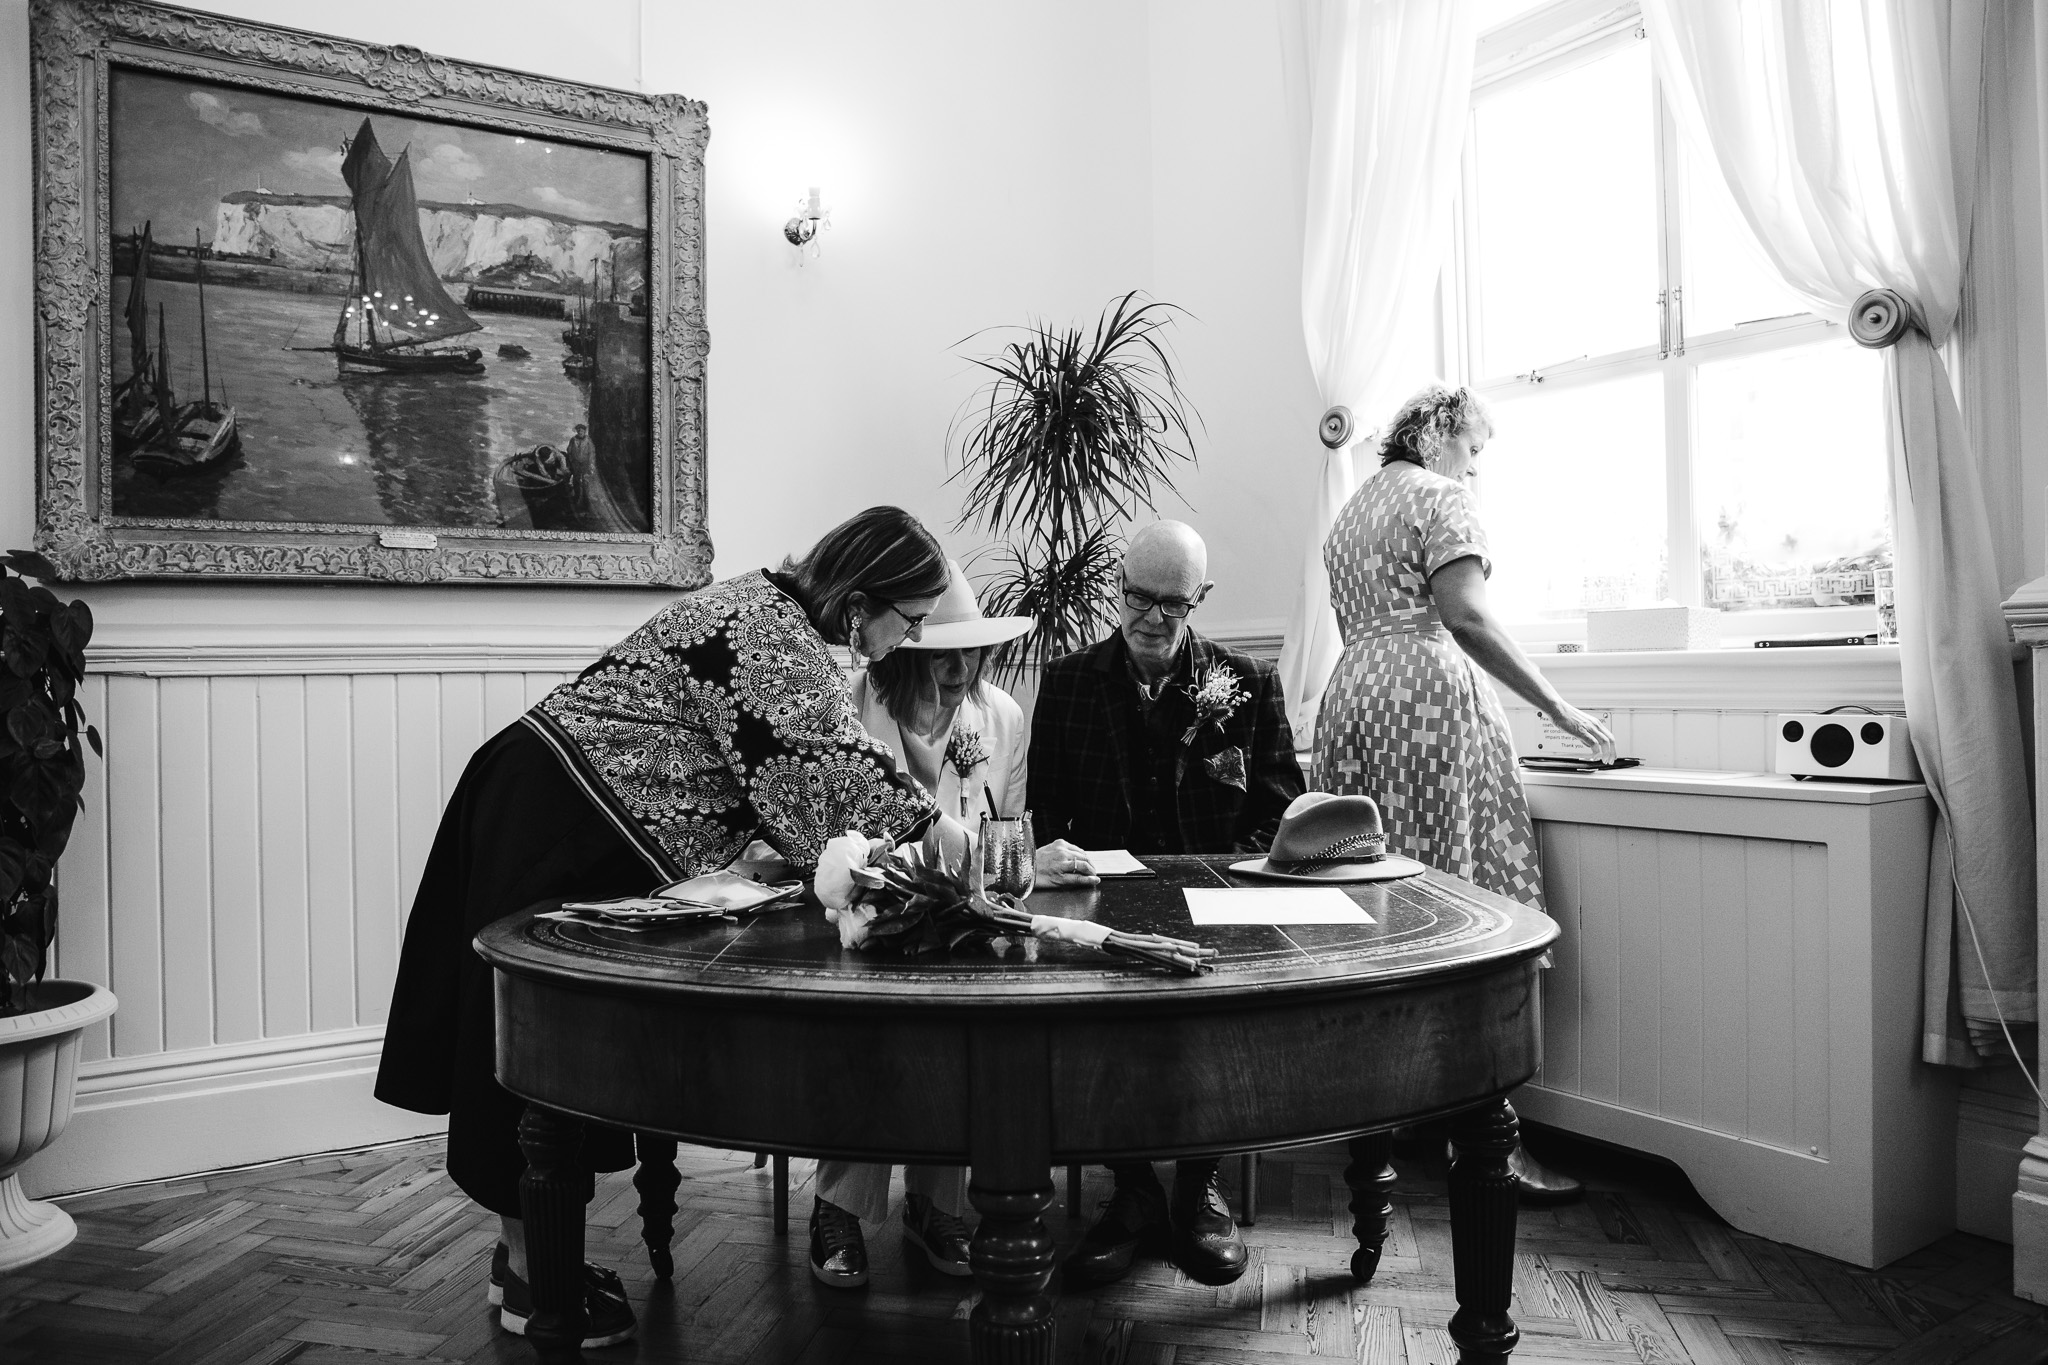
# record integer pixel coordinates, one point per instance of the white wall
(986, 166)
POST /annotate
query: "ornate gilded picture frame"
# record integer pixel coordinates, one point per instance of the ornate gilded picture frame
(309, 308)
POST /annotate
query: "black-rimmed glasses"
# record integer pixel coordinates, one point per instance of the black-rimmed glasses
(1172, 608)
(909, 622)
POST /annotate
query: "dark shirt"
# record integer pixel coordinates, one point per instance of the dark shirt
(1156, 755)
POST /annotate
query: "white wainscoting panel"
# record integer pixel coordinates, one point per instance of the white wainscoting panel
(1737, 989)
(240, 877)
(1692, 979)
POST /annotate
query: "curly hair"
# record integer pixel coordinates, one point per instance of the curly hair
(1431, 419)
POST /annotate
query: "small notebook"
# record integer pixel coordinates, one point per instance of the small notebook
(1117, 862)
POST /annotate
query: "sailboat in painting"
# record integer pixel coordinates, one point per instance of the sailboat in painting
(397, 305)
(138, 407)
(194, 435)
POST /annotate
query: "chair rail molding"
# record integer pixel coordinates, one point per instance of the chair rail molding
(2026, 613)
(313, 648)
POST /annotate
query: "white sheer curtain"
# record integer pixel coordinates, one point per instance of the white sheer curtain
(1381, 88)
(1847, 130)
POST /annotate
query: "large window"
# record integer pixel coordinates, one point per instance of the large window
(1674, 424)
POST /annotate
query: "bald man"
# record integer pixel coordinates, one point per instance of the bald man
(1112, 766)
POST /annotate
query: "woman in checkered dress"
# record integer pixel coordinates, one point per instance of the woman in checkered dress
(1406, 719)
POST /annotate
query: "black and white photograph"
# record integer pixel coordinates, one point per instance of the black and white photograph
(1069, 682)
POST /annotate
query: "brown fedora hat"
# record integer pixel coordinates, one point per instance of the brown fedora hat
(1328, 838)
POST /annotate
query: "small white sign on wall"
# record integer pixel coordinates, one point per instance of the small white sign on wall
(1551, 740)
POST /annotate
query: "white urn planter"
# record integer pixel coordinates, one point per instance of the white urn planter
(38, 1078)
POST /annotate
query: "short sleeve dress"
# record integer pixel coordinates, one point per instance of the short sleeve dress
(1406, 719)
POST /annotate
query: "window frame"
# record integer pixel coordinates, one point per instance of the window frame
(1535, 46)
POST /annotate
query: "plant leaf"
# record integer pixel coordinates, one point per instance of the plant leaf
(31, 564)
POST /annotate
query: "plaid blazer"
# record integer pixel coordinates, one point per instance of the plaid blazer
(1083, 758)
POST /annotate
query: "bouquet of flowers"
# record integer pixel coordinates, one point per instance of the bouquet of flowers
(1216, 694)
(915, 899)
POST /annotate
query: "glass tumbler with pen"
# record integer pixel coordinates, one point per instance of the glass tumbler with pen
(1003, 859)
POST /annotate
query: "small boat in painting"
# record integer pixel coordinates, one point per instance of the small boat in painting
(141, 399)
(512, 350)
(538, 488)
(194, 436)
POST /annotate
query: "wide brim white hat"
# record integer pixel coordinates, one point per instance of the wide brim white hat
(957, 623)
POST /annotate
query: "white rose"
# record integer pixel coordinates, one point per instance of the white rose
(853, 921)
(833, 882)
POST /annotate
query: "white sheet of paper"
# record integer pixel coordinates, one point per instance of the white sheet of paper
(1273, 905)
(1115, 862)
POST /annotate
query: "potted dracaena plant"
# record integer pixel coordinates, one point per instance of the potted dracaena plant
(1066, 442)
(42, 772)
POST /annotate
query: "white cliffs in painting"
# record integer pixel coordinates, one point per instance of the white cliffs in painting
(493, 243)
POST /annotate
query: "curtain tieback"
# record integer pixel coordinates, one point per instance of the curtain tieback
(1879, 317)
(1335, 427)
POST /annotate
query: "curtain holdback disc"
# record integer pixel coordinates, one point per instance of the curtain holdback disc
(1879, 317)
(1335, 427)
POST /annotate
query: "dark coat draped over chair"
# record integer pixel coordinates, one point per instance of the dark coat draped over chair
(1098, 763)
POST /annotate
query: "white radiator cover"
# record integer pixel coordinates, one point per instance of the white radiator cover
(1738, 990)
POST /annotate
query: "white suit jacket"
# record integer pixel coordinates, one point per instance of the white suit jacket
(1000, 722)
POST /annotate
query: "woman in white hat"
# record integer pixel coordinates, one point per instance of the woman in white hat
(965, 740)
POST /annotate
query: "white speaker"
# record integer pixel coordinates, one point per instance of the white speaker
(1870, 748)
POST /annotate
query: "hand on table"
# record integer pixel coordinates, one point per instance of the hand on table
(1060, 863)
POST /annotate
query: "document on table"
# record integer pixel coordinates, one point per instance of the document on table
(1117, 862)
(1273, 905)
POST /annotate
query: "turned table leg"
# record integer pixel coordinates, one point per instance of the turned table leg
(1012, 1254)
(657, 1180)
(1483, 1232)
(1011, 1188)
(551, 1195)
(1370, 1177)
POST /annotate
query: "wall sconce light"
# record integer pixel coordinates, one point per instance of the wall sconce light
(811, 218)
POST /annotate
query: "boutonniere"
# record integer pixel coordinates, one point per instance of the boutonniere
(1216, 694)
(965, 751)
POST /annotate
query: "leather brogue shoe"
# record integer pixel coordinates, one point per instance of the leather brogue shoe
(1206, 1243)
(1132, 1216)
(1538, 1185)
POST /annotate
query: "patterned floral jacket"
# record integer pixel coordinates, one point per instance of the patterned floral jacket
(724, 719)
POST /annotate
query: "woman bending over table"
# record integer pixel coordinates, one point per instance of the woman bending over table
(964, 740)
(1406, 719)
(723, 718)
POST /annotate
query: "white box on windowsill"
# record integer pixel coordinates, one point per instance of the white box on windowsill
(1653, 628)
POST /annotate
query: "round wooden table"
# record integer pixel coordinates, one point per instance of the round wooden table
(766, 1035)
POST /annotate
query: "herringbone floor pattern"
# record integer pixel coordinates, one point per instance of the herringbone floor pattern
(375, 1256)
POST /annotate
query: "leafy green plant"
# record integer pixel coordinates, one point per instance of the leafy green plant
(1074, 434)
(42, 765)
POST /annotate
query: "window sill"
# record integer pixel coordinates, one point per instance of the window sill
(1727, 679)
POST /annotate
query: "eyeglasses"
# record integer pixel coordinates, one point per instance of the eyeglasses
(1173, 609)
(909, 622)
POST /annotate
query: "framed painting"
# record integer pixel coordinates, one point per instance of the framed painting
(310, 308)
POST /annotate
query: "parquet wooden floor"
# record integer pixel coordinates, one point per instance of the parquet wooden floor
(374, 1256)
